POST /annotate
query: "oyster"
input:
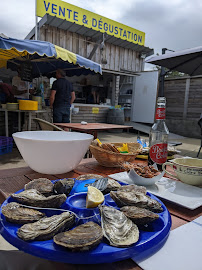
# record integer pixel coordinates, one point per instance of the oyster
(89, 176)
(111, 185)
(63, 186)
(133, 188)
(34, 198)
(47, 227)
(16, 213)
(43, 185)
(82, 238)
(138, 215)
(135, 198)
(105, 185)
(119, 230)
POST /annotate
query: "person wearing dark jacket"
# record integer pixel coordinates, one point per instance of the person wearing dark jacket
(61, 98)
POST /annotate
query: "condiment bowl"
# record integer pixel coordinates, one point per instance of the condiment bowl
(52, 152)
(187, 170)
(143, 181)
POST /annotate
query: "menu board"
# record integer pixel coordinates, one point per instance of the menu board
(26, 71)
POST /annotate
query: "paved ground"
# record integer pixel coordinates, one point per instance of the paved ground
(189, 146)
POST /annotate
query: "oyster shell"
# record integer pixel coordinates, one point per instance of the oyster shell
(43, 185)
(111, 185)
(105, 185)
(16, 213)
(63, 186)
(34, 198)
(47, 227)
(82, 238)
(89, 176)
(119, 230)
(135, 198)
(139, 216)
(133, 188)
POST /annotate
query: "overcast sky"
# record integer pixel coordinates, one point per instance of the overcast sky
(173, 24)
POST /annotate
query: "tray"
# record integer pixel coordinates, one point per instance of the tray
(174, 191)
(151, 240)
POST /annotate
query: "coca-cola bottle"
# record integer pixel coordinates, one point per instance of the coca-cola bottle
(158, 137)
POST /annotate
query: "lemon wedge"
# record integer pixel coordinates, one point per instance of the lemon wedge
(94, 197)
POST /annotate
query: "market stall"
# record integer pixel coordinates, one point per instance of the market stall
(38, 59)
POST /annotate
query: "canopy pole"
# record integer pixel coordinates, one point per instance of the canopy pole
(36, 22)
(162, 76)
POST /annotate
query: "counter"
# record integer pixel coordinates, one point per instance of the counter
(89, 114)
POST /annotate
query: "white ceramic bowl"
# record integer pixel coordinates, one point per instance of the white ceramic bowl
(142, 181)
(188, 170)
(52, 152)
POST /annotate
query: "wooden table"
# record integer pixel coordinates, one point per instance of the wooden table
(91, 128)
(12, 180)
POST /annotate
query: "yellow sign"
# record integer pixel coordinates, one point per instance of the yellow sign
(117, 106)
(89, 19)
(95, 110)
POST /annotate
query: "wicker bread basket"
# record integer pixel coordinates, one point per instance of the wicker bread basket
(112, 159)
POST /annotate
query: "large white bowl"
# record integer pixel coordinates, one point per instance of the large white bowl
(52, 152)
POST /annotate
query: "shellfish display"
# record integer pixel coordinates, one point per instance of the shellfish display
(82, 238)
(46, 227)
(107, 229)
(35, 198)
(119, 230)
(16, 213)
(139, 216)
(43, 185)
(132, 196)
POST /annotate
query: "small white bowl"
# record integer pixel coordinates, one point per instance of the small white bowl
(52, 152)
(142, 181)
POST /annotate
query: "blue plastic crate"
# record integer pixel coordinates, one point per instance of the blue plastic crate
(4, 141)
(6, 145)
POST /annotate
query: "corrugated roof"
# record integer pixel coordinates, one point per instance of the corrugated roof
(88, 32)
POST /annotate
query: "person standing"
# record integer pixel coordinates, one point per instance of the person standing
(61, 98)
(20, 87)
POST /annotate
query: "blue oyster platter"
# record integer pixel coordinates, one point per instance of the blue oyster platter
(152, 237)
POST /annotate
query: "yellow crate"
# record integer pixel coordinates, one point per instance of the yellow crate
(28, 105)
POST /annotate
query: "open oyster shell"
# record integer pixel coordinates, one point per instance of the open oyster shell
(82, 238)
(16, 213)
(47, 227)
(119, 230)
(34, 198)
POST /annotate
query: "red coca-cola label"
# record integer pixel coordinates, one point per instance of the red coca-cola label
(158, 153)
(160, 113)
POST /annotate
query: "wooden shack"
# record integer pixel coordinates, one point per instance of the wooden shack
(119, 59)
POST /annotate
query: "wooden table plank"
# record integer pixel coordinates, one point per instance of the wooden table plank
(36, 175)
(91, 128)
(10, 185)
(15, 171)
(177, 222)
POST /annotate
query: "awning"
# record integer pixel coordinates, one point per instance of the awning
(188, 61)
(44, 57)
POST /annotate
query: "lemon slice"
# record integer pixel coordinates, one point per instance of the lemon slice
(94, 197)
